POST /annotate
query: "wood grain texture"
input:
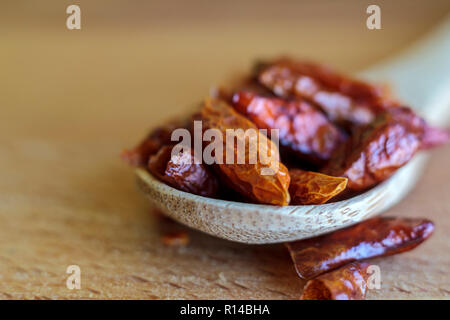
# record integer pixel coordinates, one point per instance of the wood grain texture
(71, 101)
(88, 212)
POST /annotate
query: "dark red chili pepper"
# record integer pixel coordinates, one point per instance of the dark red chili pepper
(343, 99)
(371, 238)
(180, 171)
(377, 150)
(156, 139)
(303, 130)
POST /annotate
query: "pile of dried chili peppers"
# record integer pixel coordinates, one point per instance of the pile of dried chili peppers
(337, 137)
(333, 262)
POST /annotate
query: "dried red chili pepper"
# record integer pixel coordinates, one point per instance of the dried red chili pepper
(304, 131)
(309, 187)
(371, 238)
(430, 137)
(377, 150)
(247, 178)
(180, 171)
(344, 100)
(346, 283)
(334, 80)
(175, 239)
(139, 155)
(434, 137)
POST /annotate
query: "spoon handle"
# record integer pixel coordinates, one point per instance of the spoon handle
(420, 76)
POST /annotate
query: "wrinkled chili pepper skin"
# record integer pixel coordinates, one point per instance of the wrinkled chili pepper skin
(247, 178)
(377, 150)
(346, 283)
(333, 80)
(139, 155)
(304, 131)
(308, 103)
(371, 238)
(309, 187)
(180, 171)
(344, 100)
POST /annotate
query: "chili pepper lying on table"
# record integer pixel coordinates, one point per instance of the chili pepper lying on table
(175, 239)
(346, 283)
(303, 130)
(371, 238)
(332, 262)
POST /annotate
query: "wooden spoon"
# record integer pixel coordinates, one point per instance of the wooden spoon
(420, 77)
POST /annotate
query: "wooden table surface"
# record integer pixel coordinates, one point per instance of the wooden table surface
(71, 100)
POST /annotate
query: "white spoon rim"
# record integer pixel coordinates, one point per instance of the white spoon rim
(144, 175)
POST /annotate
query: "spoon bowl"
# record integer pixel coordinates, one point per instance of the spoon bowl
(259, 223)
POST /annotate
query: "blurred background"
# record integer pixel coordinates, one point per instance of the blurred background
(71, 100)
(137, 62)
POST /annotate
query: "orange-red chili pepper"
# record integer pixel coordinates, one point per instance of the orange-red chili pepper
(247, 178)
(309, 187)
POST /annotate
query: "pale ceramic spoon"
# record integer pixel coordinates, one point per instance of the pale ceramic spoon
(420, 77)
